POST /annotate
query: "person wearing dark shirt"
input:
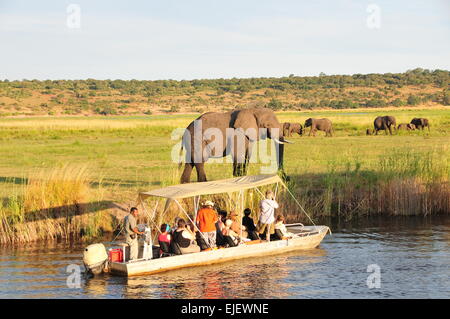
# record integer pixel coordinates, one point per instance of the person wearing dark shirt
(249, 224)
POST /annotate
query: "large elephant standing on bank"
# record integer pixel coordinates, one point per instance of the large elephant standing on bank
(248, 125)
(421, 123)
(384, 123)
(319, 124)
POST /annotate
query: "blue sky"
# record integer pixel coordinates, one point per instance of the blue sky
(191, 39)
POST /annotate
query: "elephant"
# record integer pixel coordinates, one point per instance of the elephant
(406, 126)
(247, 125)
(289, 128)
(384, 123)
(319, 124)
(369, 131)
(420, 123)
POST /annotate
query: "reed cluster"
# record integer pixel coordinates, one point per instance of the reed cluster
(400, 184)
(53, 204)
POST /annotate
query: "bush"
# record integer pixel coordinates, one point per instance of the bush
(413, 100)
(397, 102)
(275, 105)
(174, 109)
(376, 103)
(106, 110)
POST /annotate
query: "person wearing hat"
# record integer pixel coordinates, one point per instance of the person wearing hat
(267, 215)
(206, 222)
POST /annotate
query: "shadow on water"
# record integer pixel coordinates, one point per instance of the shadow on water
(413, 254)
(262, 277)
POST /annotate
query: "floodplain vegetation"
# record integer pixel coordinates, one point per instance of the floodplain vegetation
(76, 177)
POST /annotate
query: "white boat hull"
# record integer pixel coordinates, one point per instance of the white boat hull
(309, 240)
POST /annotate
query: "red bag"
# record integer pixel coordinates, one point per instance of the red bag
(116, 255)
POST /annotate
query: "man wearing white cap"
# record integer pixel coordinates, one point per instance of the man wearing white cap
(206, 221)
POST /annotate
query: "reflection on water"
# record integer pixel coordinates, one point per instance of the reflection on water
(413, 255)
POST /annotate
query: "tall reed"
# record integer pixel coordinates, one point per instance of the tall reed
(55, 204)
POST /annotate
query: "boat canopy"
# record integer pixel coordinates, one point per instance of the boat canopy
(214, 187)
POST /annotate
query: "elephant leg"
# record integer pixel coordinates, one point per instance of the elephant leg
(240, 162)
(201, 175)
(280, 158)
(186, 176)
(248, 155)
(237, 169)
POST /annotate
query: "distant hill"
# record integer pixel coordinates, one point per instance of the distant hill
(418, 87)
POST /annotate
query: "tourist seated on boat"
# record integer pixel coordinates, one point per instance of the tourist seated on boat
(220, 226)
(248, 222)
(236, 225)
(206, 222)
(231, 237)
(175, 224)
(164, 240)
(280, 229)
(185, 239)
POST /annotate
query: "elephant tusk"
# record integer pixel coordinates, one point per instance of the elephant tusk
(277, 141)
(289, 142)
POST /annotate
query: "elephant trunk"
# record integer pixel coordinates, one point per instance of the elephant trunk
(280, 155)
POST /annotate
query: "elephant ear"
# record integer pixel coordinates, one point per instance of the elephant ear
(247, 122)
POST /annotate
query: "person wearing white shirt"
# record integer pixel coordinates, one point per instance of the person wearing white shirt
(267, 215)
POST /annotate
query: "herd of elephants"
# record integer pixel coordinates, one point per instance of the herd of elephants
(245, 122)
(381, 123)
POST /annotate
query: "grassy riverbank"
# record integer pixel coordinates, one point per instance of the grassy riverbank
(63, 177)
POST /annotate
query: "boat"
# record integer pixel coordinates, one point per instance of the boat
(305, 237)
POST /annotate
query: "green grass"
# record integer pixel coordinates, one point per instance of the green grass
(331, 176)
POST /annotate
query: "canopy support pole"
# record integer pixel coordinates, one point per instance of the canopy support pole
(241, 195)
(196, 201)
(296, 201)
(195, 226)
(152, 216)
(262, 195)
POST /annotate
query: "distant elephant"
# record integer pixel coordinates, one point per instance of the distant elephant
(289, 128)
(319, 124)
(384, 123)
(421, 123)
(242, 123)
(406, 126)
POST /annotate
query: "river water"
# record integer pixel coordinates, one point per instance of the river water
(412, 256)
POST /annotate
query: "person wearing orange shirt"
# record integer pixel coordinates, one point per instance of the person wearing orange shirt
(206, 222)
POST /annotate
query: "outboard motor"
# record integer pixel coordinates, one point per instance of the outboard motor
(95, 258)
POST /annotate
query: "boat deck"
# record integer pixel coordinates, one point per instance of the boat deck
(309, 237)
